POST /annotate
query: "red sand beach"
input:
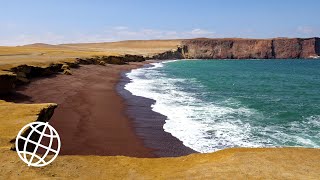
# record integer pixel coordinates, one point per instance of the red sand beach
(93, 119)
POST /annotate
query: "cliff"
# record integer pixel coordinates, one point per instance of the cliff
(14, 116)
(279, 48)
(178, 53)
(22, 74)
(237, 163)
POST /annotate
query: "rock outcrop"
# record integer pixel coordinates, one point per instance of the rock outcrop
(111, 59)
(67, 72)
(23, 73)
(279, 48)
(172, 54)
(44, 116)
(133, 58)
(7, 83)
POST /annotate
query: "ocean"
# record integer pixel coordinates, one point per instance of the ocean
(216, 104)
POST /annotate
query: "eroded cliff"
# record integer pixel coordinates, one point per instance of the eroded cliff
(22, 74)
(279, 48)
(14, 116)
(228, 48)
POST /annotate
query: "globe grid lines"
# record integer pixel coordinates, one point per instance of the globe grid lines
(34, 129)
(35, 143)
(37, 146)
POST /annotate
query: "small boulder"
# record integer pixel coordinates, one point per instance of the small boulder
(67, 72)
(102, 63)
(65, 67)
(23, 80)
(21, 74)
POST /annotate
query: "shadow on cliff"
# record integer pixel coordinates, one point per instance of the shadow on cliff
(15, 97)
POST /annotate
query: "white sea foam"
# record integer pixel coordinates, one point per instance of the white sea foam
(313, 121)
(209, 126)
(205, 127)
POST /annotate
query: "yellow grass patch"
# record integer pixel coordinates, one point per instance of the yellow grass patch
(14, 116)
(239, 163)
(44, 54)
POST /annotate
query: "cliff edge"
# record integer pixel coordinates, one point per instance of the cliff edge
(236, 48)
(278, 48)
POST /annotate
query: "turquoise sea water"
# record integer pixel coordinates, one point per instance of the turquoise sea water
(215, 104)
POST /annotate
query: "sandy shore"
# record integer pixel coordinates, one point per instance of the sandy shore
(92, 118)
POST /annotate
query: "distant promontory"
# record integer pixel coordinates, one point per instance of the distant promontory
(237, 48)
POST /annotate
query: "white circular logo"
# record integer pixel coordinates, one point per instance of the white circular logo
(36, 140)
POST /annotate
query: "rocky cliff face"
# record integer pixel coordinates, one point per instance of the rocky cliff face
(279, 48)
(7, 83)
(173, 54)
(22, 74)
(44, 116)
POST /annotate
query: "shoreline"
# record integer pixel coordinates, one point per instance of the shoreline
(150, 130)
(89, 97)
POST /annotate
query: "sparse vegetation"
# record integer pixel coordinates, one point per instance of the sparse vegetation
(42, 55)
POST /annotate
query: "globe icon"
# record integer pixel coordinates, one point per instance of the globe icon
(38, 137)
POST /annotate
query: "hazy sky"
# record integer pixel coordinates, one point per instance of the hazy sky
(62, 21)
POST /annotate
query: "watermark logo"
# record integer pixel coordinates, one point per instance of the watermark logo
(43, 138)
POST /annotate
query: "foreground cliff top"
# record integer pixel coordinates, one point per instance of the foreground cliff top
(279, 163)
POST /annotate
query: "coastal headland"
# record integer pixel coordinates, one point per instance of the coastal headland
(75, 87)
(237, 48)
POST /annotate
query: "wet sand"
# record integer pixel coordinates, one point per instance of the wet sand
(93, 119)
(149, 124)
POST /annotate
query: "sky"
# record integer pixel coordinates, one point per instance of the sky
(75, 21)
